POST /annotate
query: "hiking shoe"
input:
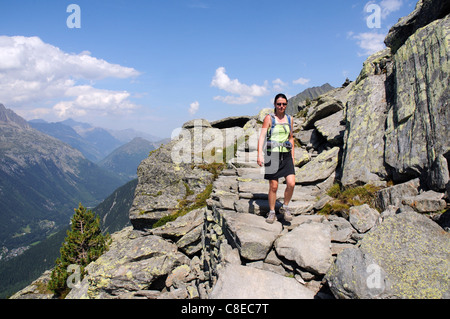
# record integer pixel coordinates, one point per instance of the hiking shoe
(271, 218)
(286, 214)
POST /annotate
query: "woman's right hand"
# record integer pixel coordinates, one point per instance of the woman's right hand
(260, 160)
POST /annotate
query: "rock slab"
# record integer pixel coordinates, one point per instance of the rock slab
(251, 234)
(309, 245)
(240, 282)
(406, 257)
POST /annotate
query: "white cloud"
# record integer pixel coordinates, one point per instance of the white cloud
(370, 42)
(235, 99)
(279, 85)
(389, 6)
(37, 74)
(245, 93)
(301, 81)
(194, 107)
(89, 99)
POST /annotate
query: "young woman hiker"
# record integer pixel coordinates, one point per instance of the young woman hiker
(278, 160)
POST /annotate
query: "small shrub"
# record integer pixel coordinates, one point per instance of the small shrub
(346, 197)
(84, 244)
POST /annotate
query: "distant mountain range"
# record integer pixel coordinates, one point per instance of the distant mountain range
(125, 159)
(94, 143)
(41, 180)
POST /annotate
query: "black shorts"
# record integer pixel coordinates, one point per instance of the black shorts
(278, 165)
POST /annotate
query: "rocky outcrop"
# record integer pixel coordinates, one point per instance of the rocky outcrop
(391, 263)
(419, 115)
(319, 169)
(309, 245)
(365, 118)
(426, 11)
(260, 284)
(162, 185)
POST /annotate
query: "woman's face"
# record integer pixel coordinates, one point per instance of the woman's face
(281, 105)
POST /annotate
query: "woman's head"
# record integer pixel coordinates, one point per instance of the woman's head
(280, 102)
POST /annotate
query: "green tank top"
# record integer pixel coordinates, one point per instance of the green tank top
(280, 134)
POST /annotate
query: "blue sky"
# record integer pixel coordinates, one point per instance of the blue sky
(152, 65)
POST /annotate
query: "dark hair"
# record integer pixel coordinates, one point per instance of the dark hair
(280, 95)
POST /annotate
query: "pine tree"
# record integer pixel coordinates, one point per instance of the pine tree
(84, 244)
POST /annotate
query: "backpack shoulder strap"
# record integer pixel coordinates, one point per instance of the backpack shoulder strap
(290, 124)
(269, 133)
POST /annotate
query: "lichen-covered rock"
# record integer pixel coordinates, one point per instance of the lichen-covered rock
(130, 265)
(309, 245)
(301, 157)
(239, 282)
(425, 12)
(163, 183)
(417, 123)
(394, 195)
(406, 256)
(365, 121)
(322, 108)
(426, 202)
(37, 289)
(319, 169)
(363, 217)
(251, 234)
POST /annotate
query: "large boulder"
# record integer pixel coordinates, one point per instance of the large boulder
(130, 265)
(319, 169)
(251, 234)
(365, 115)
(240, 282)
(394, 195)
(407, 256)
(417, 123)
(309, 245)
(363, 217)
(331, 128)
(425, 12)
(164, 180)
(324, 107)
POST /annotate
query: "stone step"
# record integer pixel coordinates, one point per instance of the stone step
(241, 282)
(246, 159)
(251, 234)
(259, 190)
(261, 206)
(251, 173)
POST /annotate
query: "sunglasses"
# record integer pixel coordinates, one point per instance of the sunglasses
(281, 104)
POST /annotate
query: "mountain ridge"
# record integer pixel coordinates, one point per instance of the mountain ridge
(41, 179)
(310, 93)
(95, 143)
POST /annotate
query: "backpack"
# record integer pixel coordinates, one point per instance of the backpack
(269, 143)
(272, 115)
